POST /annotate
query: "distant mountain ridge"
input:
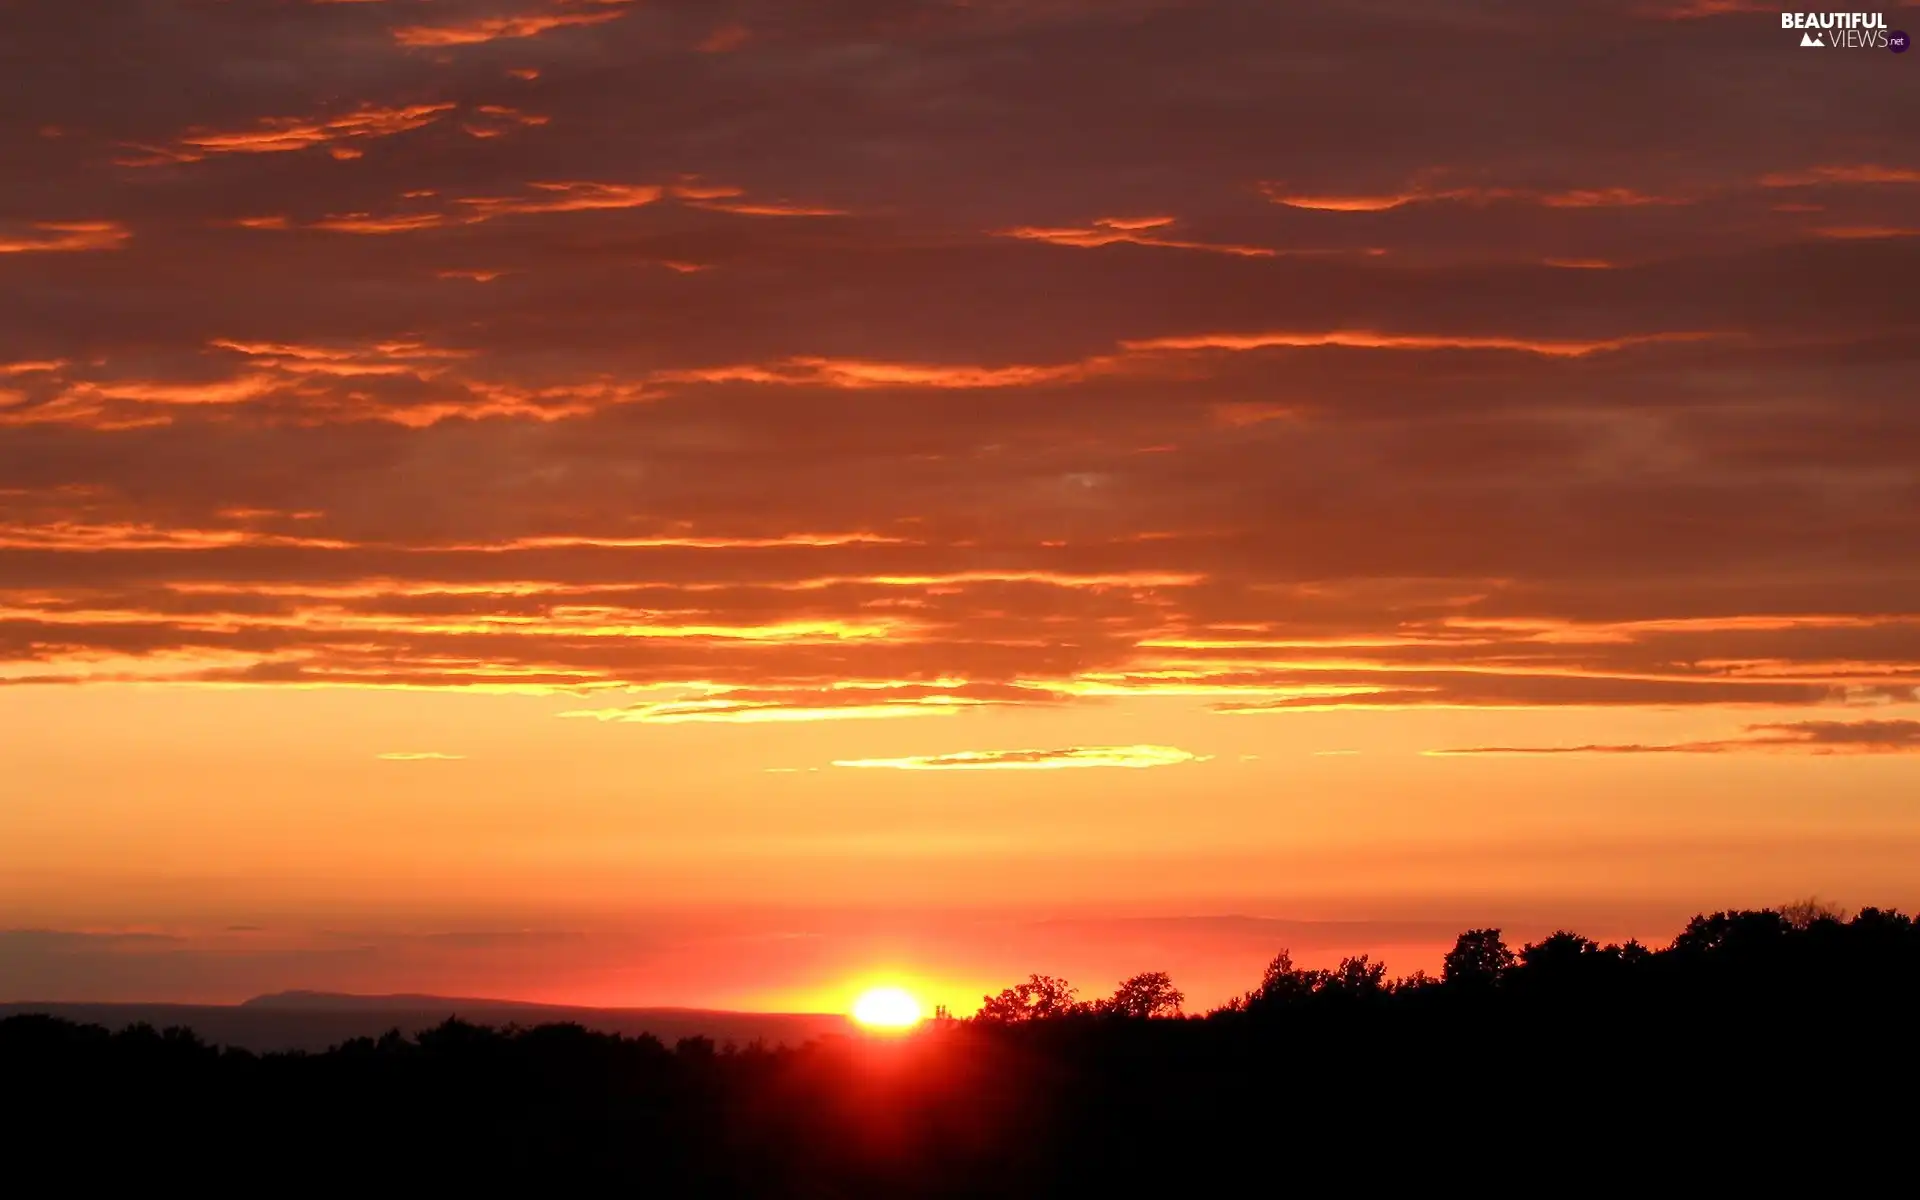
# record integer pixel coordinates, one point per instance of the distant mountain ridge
(315, 1021)
(306, 1001)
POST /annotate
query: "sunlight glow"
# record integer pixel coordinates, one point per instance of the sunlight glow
(887, 1008)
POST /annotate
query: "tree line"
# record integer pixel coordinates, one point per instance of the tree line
(1757, 1047)
(1481, 964)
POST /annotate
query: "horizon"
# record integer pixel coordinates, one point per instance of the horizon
(746, 507)
(1242, 943)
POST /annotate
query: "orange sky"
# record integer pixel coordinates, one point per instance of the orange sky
(722, 504)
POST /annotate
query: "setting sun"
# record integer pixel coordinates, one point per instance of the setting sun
(887, 1008)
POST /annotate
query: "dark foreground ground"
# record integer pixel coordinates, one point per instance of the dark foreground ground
(1750, 1055)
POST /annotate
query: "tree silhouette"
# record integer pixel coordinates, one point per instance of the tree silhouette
(1039, 998)
(1356, 978)
(1478, 960)
(1149, 994)
(1802, 914)
(1283, 983)
(1558, 951)
(1733, 934)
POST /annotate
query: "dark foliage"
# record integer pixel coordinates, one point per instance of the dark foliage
(1773, 1046)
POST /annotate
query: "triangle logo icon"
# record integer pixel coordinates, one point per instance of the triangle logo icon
(1811, 39)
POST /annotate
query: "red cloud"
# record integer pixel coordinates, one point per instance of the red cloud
(281, 135)
(496, 28)
(61, 236)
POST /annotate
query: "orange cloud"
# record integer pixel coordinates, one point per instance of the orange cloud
(380, 358)
(75, 536)
(491, 29)
(1812, 737)
(576, 196)
(723, 198)
(1609, 197)
(280, 135)
(869, 632)
(1241, 414)
(494, 120)
(1108, 231)
(557, 541)
(237, 390)
(61, 236)
(748, 208)
(419, 756)
(1368, 339)
(845, 700)
(858, 373)
(1597, 632)
(1034, 760)
(560, 197)
(569, 196)
(1858, 232)
(1605, 197)
(1842, 173)
(360, 222)
(295, 374)
(741, 713)
(1377, 203)
(730, 36)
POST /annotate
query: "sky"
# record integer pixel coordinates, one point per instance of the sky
(728, 503)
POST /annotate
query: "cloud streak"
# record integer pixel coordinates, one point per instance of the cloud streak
(1033, 760)
(1810, 737)
(54, 237)
(284, 135)
(479, 30)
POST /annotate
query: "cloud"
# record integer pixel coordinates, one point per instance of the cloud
(1372, 340)
(1813, 737)
(540, 197)
(75, 536)
(726, 37)
(65, 236)
(565, 196)
(1580, 197)
(1841, 173)
(281, 135)
(1034, 760)
(568, 196)
(849, 700)
(1867, 231)
(729, 199)
(518, 25)
(1138, 231)
(496, 120)
(985, 389)
(419, 756)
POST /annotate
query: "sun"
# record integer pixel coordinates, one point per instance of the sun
(886, 1008)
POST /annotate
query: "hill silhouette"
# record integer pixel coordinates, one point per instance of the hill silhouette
(352, 1002)
(314, 1021)
(1760, 1048)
